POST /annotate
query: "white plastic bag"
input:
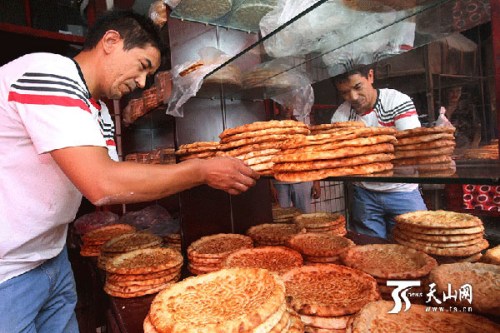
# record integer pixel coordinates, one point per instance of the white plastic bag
(187, 78)
(442, 120)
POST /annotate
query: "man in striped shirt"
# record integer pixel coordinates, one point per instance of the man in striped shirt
(375, 204)
(56, 144)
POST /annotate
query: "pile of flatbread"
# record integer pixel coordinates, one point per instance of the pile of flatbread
(126, 243)
(277, 259)
(93, 240)
(322, 222)
(484, 282)
(272, 233)
(448, 236)
(391, 262)
(207, 254)
(326, 296)
(229, 300)
(428, 150)
(257, 143)
(173, 241)
(320, 248)
(376, 317)
(142, 272)
(200, 149)
(340, 151)
(284, 214)
(492, 256)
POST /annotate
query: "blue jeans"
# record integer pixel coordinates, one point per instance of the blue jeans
(373, 212)
(298, 194)
(41, 300)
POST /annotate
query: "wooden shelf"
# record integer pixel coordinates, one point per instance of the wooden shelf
(44, 34)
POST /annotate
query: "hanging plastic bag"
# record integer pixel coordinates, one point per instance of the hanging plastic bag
(158, 13)
(187, 78)
(442, 120)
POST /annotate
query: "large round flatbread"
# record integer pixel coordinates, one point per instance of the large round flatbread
(276, 259)
(267, 131)
(272, 233)
(320, 245)
(484, 280)
(438, 237)
(461, 251)
(424, 131)
(422, 160)
(358, 142)
(440, 231)
(423, 152)
(340, 124)
(218, 245)
(329, 290)
(260, 125)
(492, 256)
(105, 233)
(389, 261)
(437, 243)
(329, 164)
(439, 219)
(254, 140)
(131, 241)
(426, 145)
(375, 317)
(144, 261)
(424, 138)
(318, 220)
(229, 300)
(302, 176)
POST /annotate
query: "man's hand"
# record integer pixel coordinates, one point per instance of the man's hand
(316, 190)
(229, 174)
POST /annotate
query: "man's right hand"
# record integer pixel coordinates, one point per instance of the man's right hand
(229, 174)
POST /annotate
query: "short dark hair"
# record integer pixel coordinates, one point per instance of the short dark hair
(135, 29)
(362, 70)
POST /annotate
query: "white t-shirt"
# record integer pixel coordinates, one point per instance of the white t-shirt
(44, 105)
(392, 109)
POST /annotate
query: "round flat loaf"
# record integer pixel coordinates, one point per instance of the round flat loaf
(364, 169)
(375, 317)
(105, 233)
(229, 300)
(329, 290)
(439, 219)
(148, 326)
(318, 220)
(438, 238)
(333, 154)
(131, 241)
(329, 164)
(254, 140)
(340, 124)
(141, 277)
(267, 131)
(461, 251)
(492, 256)
(257, 153)
(319, 245)
(423, 160)
(426, 145)
(277, 259)
(405, 263)
(439, 231)
(411, 140)
(260, 125)
(251, 148)
(144, 261)
(218, 245)
(330, 323)
(443, 244)
(285, 213)
(483, 278)
(134, 292)
(423, 152)
(419, 131)
(272, 234)
(377, 139)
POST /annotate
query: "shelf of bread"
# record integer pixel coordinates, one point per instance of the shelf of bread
(317, 40)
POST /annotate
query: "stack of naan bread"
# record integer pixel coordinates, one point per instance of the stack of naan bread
(272, 233)
(229, 300)
(378, 317)
(126, 243)
(320, 247)
(200, 149)
(391, 262)
(92, 241)
(142, 272)
(284, 214)
(326, 296)
(322, 222)
(428, 149)
(173, 241)
(336, 150)
(446, 235)
(277, 259)
(207, 254)
(258, 143)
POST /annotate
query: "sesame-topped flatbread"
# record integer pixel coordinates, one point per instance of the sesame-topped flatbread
(131, 241)
(277, 259)
(329, 290)
(267, 131)
(320, 244)
(358, 142)
(144, 261)
(389, 261)
(260, 125)
(424, 131)
(272, 234)
(424, 138)
(439, 219)
(376, 317)
(340, 124)
(229, 300)
(427, 145)
(218, 245)
(319, 219)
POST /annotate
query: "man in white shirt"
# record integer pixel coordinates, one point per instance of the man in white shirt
(375, 204)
